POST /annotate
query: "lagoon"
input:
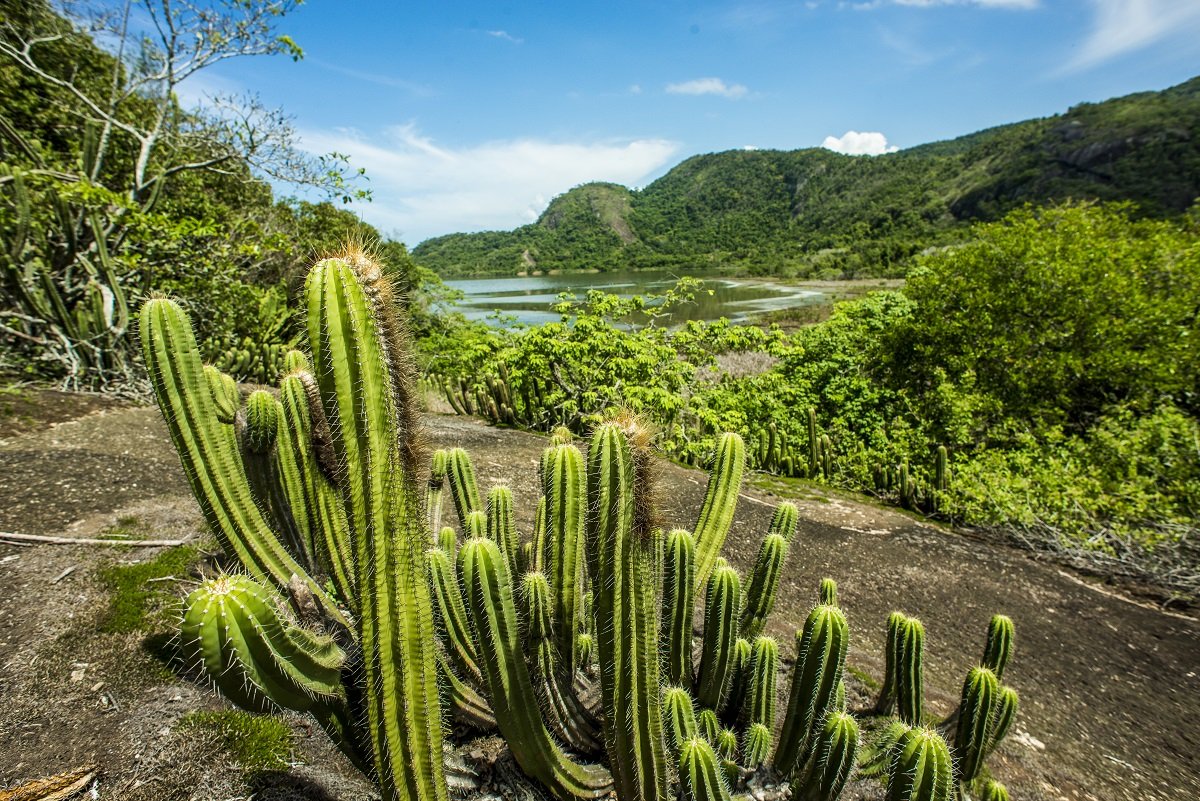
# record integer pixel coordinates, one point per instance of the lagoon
(527, 299)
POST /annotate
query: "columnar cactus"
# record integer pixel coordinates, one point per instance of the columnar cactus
(820, 659)
(973, 735)
(834, 758)
(361, 426)
(720, 500)
(921, 769)
(679, 569)
(620, 556)
(763, 585)
(908, 676)
(721, 608)
(700, 777)
(999, 646)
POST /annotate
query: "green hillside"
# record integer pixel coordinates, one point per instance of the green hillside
(814, 212)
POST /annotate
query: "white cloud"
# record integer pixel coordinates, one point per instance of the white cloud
(708, 86)
(635, 89)
(423, 189)
(854, 143)
(506, 36)
(1122, 26)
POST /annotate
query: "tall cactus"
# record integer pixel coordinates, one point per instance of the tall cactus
(679, 569)
(908, 677)
(361, 429)
(720, 500)
(975, 720)
(999, 646)
(722, 604)
(820, 659)
(763, 585)
(620, 555)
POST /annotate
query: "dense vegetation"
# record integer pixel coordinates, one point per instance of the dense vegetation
(102, 205)
(818, 213)
(1056, 355)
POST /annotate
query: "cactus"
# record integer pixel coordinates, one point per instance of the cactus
(814, 464)
(721, 607)
(973, 734)
(764, 665)
(741, 676)
(756, 746)
(720, 499)
(763, 585)
(820, 659)
(941, 480)
(451, 619)
(362, 431)
(700, 777)
(1002, 717)
(834, 757)
(563, 484)
(679, 569)
(680, 713)
(994, 791)
(490, 601)
(464, 490)
(887, 691)
(999, 646)
(827, 593)
(437, 484)
(710, 726)
(908, 676)
(501, 529)
(620, 556)
(921, 769)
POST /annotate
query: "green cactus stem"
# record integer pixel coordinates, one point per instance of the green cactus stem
(764, 665)
(464, 490)
(434, 496)
(820, 659)
(1003, 716)
(720, 500)
(722, 605)
(564, 487)
(700, 777)
(679, 568)
(451, 620)
(710, 726)
(973, 734)
(887, 691)
(921, 769)
(763, 585)
(620, 555)
(741, 677)
(909, 672)
(501, 527)
(359, 360)
(680, 714)
(834, 758)
(999, 647)
(827, 593)
(994, 791)
(756, 747)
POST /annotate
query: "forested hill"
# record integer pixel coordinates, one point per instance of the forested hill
(814, 212)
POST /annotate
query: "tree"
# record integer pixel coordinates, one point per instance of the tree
(97, 137)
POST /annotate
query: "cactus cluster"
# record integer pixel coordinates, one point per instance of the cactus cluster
(358, 605)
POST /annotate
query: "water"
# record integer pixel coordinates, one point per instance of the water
(528, 299)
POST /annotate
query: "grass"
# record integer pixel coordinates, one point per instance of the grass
(137, 602)
(257, 742)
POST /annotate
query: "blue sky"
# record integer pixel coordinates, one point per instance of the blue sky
(473, 115)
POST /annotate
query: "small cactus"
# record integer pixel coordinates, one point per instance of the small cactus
(921, 769)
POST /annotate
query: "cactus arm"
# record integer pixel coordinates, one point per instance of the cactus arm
(721, 608)
(451, 618)
(700, 777)
(908, 678)
(680, 712)
(763, 585)
(329, 529)
(468, 706)
(464, 490)
(784, 521)
(620, 561)
(208, 451)
(720, 500)
(764, 664)
(679, 570)
(564, 492)
(1003, 717)
(436, 491)
(350, 334)
(501, 528)
(921, 769)
(821, 657)
(490, 602)
(975, 718)
(887, 691)
(999, 646)
(835, 755)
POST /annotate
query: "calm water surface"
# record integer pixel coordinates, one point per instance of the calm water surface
(528, 299)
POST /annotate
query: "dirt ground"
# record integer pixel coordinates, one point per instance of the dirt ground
(1110, 692)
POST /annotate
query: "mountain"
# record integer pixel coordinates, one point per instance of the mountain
(814, 212)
